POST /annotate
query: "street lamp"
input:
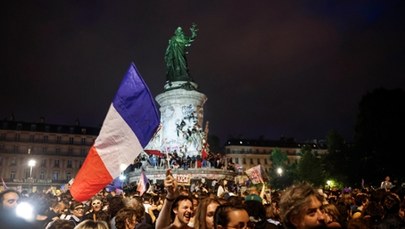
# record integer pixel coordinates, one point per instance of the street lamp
(31, 163)
(280, 171)
(330, 184)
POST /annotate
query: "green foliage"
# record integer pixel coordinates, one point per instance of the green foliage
(279, 161)
(374, 154)
(278, 158)
(310, 168)
(379, 133)
(335, 142)
(335, 163)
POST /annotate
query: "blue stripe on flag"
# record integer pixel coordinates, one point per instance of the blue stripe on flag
(136, 106)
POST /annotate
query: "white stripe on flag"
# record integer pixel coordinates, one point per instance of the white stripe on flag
(117, 146)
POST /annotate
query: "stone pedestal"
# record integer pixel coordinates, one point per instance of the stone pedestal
(182, 112)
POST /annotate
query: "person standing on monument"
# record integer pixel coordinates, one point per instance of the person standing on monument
(386, 184)
(175, 57)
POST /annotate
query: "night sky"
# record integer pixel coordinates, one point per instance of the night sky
(269, 68)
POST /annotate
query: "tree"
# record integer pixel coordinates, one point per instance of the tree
(335, 162)
(379, 132)
(310, 168)
(279, 160)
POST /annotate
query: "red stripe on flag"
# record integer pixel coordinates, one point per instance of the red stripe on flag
(91, 178)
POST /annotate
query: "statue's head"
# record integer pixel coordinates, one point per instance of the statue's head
(179, 31)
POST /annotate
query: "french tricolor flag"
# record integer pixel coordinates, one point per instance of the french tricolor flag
(131, 121)
(142, 183)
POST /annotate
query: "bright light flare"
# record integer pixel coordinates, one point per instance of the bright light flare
(25, 210)
(279, 171)
(123, 167)
(32, 163)
(122, 177)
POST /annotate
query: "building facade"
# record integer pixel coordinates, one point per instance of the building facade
(249, 153)
(35, 156)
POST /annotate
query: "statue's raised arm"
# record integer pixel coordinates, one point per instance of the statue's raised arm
(175, 57)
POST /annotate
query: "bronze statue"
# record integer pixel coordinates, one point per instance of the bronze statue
(175, 57)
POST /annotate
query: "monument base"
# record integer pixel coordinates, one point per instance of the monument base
(183, 176)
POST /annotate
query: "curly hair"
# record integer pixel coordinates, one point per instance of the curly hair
(124, 214)
(294, 199)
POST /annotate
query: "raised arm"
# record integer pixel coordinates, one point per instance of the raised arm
(262, 192)
(163, 220)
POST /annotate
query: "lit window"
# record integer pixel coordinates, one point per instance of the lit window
(55, 175)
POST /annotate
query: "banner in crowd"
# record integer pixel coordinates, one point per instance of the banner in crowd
(130, 123)
(183, 179)
(255, 174)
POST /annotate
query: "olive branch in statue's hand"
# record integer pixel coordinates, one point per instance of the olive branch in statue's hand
(193, 28)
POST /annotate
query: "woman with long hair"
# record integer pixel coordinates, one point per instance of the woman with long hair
(204, 215)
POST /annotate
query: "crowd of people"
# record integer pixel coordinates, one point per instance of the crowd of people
(175, 161)
(299, 206)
